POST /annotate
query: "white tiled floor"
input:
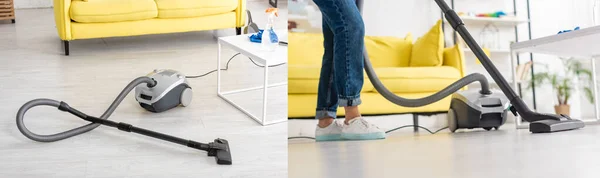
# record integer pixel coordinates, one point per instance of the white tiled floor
(475, 154)
(32, 66)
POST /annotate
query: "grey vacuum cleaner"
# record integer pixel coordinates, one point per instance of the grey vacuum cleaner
(173, 90)
(473, 109)
(159, 91)
(477, 109)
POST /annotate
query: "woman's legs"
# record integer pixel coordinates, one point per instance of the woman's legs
(327, 100)
(342, 73)
(342, 68)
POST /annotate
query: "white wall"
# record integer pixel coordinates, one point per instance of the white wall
(397, 18)
(21, 4)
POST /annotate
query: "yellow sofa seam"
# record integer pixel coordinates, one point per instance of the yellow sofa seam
(118, 13)
(193, 8)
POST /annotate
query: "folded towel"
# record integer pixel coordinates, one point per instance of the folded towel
(257, 37)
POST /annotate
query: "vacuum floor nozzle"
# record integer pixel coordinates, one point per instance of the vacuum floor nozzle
(548, 126)
(220, 150)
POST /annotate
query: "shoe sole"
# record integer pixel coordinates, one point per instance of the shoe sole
(331, 137)
(368, 136)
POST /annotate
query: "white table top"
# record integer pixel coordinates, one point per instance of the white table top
(242, 44)
(584, 43)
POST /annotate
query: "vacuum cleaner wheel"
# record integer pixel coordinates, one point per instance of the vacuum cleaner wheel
(452, 122)
(186, 97)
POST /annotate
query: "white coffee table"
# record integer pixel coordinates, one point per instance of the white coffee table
(582, 44)
(242, 44)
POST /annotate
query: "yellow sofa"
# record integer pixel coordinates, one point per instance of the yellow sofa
(85, 19)
(391, 59)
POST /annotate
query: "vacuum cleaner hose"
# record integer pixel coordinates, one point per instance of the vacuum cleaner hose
(449, 90)
(79, 130)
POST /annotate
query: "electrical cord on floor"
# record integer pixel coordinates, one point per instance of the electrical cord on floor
(290, 138)
(227, 67)
(264, 66)
(205, 74)
(397, 128)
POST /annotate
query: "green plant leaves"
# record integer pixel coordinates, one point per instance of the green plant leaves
(563, 85)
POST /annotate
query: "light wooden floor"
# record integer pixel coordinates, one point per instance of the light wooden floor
(31, 66)
(469, 154)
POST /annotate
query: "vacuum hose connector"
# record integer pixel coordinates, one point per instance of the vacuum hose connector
(449, 90)
(64, 107)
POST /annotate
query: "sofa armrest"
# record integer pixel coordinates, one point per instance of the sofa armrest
(240, 14)
(62, 18)
(454, 57)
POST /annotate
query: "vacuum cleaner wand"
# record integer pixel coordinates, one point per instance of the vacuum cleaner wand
(540, 123)
(219, 148)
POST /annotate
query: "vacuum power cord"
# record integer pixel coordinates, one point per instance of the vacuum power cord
(227, 67)
(405, 126)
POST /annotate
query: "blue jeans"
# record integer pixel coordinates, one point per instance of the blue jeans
(341, 77)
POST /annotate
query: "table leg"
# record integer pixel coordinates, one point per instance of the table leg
(515, 83)
(416, 123)
(218, 67)
(514, 70)
(265, 87)
(595, 92)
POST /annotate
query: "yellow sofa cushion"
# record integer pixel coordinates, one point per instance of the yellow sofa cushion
(428, 50)
(417, 79)
(308, 49)
(98, 11)
(194, 8)
(151, 26)
(385, 51)
(303, 79)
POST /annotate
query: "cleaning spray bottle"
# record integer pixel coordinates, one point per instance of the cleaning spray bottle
(269, 39)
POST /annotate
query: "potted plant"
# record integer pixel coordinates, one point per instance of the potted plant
(563, 84)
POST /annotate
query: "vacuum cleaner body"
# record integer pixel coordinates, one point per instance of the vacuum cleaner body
(172, 89)
(470, 109)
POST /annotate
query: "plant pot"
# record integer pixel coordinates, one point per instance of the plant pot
(562, 109)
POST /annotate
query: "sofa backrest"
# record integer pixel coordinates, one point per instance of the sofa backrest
(307, 49)
(385, 51)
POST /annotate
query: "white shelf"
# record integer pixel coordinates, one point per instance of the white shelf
(503, 21)
(584, 43)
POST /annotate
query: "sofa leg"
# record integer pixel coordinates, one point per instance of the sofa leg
(416, 122)
(238, 30)
(13, 20)
(66, 46)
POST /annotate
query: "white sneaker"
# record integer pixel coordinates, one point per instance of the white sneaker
(360, 129)
(333, 132)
